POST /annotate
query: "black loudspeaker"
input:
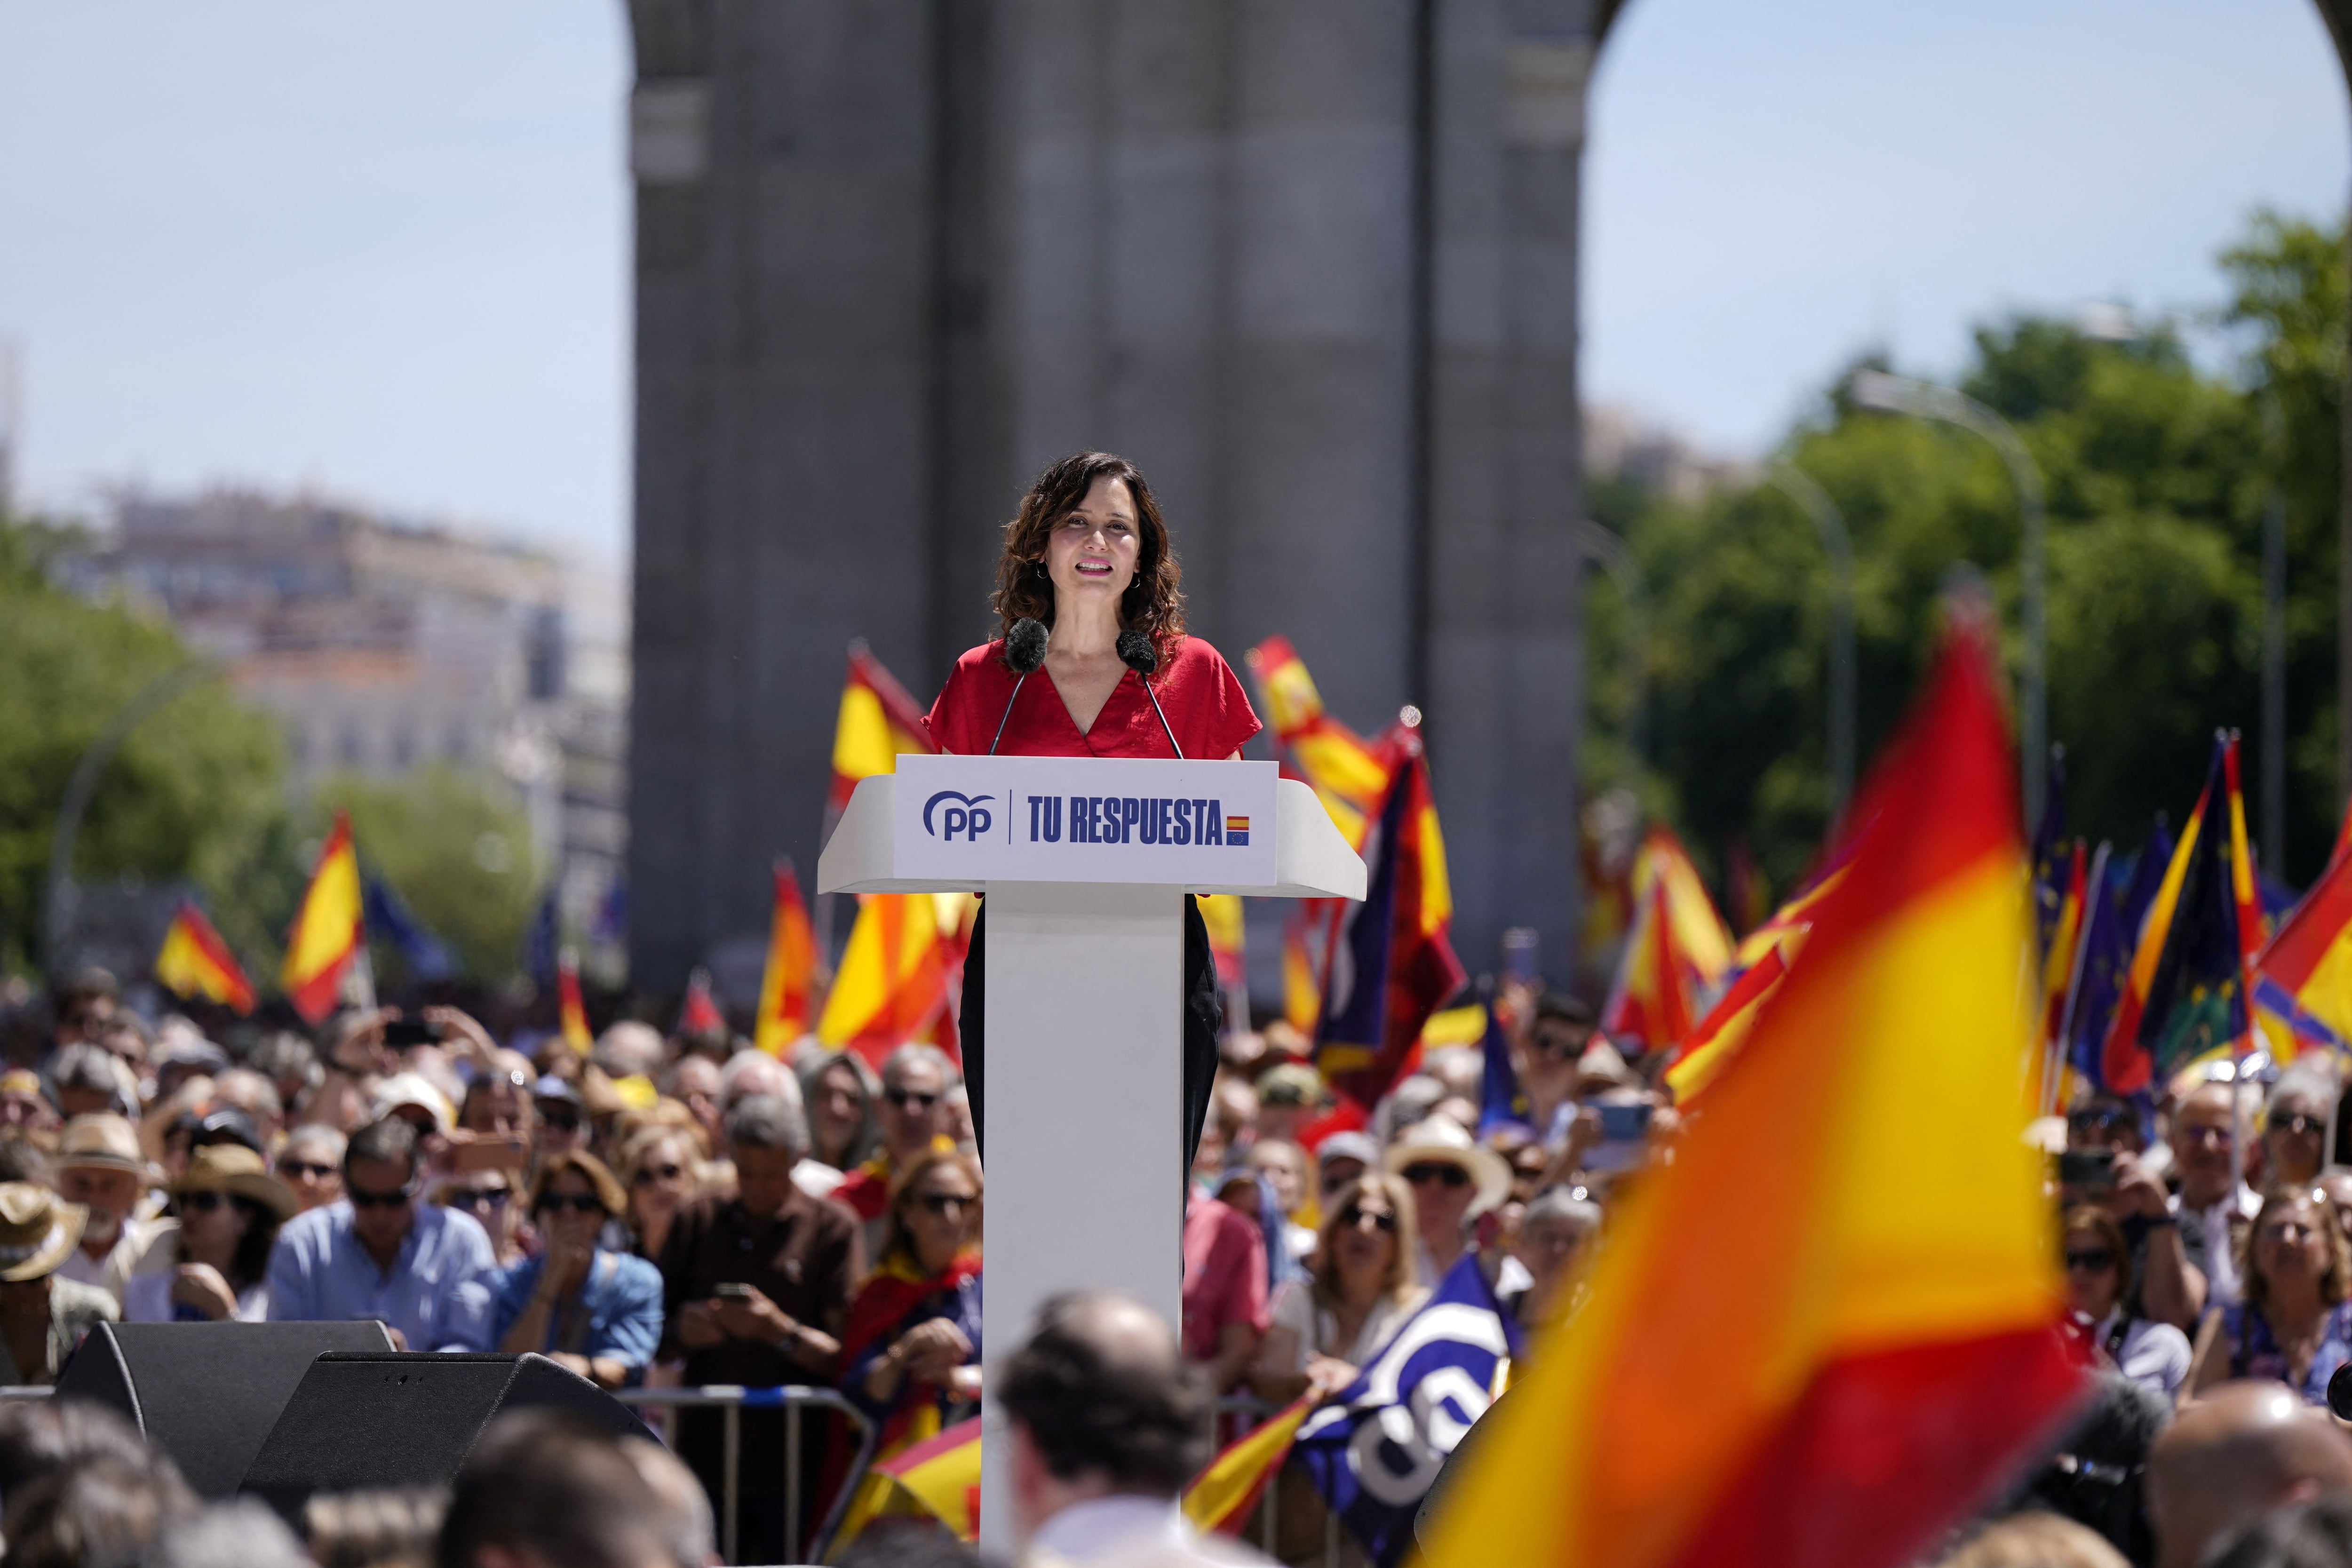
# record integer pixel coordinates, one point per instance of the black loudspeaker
(206, 1393)
(367, 1422)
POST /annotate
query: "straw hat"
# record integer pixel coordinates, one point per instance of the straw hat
(37, 1231)
(1439, 1141)
(104, 1141)
(234, 1169)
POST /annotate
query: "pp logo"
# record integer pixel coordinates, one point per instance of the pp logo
(966, 820)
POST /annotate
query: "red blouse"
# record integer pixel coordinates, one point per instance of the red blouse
(1205, 706)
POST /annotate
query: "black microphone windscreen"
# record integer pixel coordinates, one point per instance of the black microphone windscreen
(2339, 1393)
(1136, 651)
(1025, 646)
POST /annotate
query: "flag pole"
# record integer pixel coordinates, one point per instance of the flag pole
(2093, 886)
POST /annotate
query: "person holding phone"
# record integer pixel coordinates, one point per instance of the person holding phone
(754, 1290)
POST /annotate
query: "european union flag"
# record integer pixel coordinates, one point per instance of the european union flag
(1375, 1451)
(428, 956)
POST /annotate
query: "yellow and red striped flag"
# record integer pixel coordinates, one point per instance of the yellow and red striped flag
(877, 723)
(325, 936)
(1222, 1496)
(893, 977)
(570, 1008)
(1894, 1348)
(195, 962)
(939, 1476)
(1348, 772)
(787, 984)
(1678, 950)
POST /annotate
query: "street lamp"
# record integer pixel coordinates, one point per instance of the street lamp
(1613, 556)
(1925, 400)
(1814, 501)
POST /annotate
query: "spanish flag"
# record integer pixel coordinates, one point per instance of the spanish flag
(893, 976)
(569, 1006)
(1348, 772)
(325, 936)
(1220, 1498)
(1678, 950)
(195, 962)
(937, 1478)
(786, 986)
(1757, 965)
(878, 723)
(1894, 1349)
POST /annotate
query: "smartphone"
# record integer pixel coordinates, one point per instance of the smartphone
(2093, 1168)
(731, 1292)
(402, 1033)
(488, 1151)
(1620, 1123)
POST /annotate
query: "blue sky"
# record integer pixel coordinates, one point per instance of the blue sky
(379, 247)
(1774, 186)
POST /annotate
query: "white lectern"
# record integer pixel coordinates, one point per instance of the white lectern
(1085, 862)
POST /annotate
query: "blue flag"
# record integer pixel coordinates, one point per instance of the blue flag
(2118, 907)
(1375, 1451)
(541, 943)
(1502, 1103)
(428, 956)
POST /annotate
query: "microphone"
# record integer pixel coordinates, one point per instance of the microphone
(2339, 1392)
(1025, 650)
(1135, 652)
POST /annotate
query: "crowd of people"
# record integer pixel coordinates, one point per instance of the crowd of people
(684, 1210)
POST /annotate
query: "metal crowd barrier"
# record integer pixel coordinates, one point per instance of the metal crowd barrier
(733, 1400)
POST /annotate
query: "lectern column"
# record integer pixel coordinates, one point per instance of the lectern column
(1085, 1050)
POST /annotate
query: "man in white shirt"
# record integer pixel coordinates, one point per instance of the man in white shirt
(100, 1167)
(1107, 1424)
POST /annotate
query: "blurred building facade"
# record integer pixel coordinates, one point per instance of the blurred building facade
(1310, 263)
(383, 648)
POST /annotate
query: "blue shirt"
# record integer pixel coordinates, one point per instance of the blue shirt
(623, 1297)
(438, 1293)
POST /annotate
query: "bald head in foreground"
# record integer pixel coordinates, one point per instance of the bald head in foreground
(2239, 1452)
(1106, 1424)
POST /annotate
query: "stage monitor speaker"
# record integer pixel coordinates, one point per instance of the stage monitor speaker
(206, 1393)
(369, 1421)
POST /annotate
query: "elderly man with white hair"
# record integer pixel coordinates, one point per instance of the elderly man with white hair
(755, 1074)
(913, 1112)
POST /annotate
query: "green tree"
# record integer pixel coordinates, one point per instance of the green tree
(455, 847)
(194, 794)
(2157, 475)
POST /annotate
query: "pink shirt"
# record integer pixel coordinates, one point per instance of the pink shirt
(1224, 1275)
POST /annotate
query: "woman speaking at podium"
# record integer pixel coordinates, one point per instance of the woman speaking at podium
(1088, 560)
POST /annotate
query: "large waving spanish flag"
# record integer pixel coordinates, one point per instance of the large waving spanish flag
(325, 936)
(1890, 1350)
(1348, 772)
(877, 723)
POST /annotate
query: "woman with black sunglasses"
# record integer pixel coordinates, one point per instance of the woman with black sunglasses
(217, 1266)
(1360, 1286)
(596, 1311)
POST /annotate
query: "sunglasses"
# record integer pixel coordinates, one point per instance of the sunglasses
(363, 1199)
(578, 1203)
(648, 1174)
(1427, 1171)
(944, 1202)
(1352, 1218)
(202, 1202)
(2096, 1261)
(479, 1199)
(903, 1097)
(2107, 1119)
(562, 1120)
(305, 1170)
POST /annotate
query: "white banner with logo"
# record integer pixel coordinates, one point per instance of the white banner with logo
(1084, 820)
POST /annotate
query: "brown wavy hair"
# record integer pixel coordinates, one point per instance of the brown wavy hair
(1153, 603)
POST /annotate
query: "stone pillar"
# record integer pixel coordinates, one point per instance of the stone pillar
(1505, 654)
(784, 157)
